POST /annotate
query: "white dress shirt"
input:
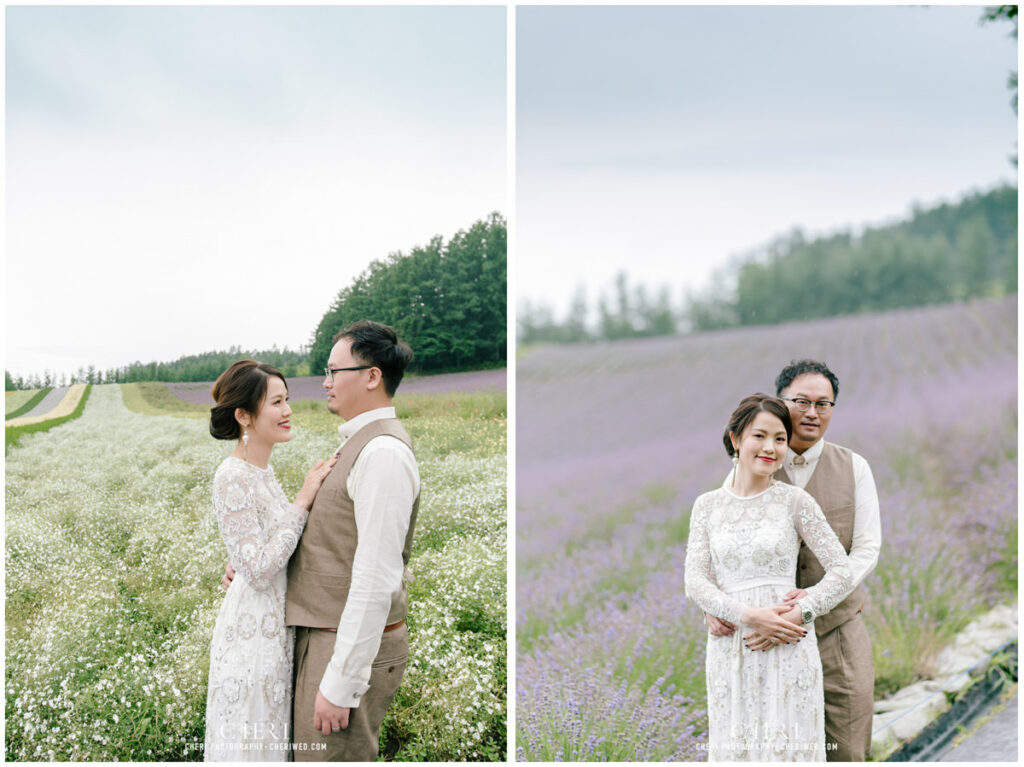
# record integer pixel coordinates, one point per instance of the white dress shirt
(383, 483)
(867, 524)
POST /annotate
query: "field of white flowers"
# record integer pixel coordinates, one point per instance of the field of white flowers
(113, 563)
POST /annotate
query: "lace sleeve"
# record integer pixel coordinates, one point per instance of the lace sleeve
(699, 574)
(816, 532)
(257, 553)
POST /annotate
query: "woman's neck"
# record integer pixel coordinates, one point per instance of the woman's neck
(257, 453)
(746, 483)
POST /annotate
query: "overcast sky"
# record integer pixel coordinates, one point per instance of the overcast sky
(183, 179)
(661, 140)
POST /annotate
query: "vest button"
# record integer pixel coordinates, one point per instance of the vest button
(803, 567)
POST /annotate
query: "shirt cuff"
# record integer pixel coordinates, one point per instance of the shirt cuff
(807, 604)
(341, 692)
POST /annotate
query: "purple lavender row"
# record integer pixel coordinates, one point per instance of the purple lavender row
(311, 387)
(615, 441)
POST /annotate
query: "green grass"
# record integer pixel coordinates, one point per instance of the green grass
(34, 400)
(14, 433)
(1007, 565)
(466, 405)
(16, 398)
(464, 424)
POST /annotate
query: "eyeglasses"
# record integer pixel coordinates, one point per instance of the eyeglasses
(329, 371)
(803, 405)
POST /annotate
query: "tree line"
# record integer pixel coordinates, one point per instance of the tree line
(623, 311)
(446, 300)
(945, 253)
(194, 367)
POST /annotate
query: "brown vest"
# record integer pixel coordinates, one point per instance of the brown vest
(320, 570)
(832, 485)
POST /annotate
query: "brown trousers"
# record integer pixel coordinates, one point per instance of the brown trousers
(848, 669)
(359, 741)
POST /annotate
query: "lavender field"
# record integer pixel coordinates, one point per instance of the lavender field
(616, 440)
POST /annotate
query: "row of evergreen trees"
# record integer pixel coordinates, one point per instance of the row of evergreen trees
(626, 311)
(946, 253)
(446, 300)
(194, 367)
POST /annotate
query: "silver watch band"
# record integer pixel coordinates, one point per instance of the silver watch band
(806, 616)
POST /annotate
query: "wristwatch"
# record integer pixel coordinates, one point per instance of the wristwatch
(806, 616)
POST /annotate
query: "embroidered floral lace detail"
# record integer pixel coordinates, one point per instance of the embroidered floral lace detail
(742, 552)
(742, 542)
(248, 704)
(258, 525)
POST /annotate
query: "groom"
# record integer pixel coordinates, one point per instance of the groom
(346, 593)
(842, 484)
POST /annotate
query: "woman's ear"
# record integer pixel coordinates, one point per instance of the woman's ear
(242, 417)
(735, 447)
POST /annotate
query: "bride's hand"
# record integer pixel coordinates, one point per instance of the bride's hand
(757, 641)
(772, 625)
(314, 479)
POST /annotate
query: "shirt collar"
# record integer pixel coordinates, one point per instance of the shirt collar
(810, 455)
(353, 425)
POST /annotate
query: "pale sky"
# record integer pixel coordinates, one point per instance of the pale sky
(663, 140)
(183, 179)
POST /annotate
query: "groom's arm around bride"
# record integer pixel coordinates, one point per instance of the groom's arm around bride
(842, 483)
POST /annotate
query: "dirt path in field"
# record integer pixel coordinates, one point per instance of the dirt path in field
(994, 741)
(312, 387)
(47, 403)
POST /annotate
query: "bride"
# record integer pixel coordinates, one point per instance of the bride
(249, 698)
(741, 559)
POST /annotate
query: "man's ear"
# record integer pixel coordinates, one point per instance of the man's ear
(375, 379)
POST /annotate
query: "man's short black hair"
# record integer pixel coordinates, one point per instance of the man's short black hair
(374, 343)
(797, 368)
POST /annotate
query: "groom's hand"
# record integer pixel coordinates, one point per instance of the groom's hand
(327, 717)
(719, 628)
(229, 575)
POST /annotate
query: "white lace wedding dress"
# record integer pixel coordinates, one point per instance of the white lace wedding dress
(248, 702)
(762, 705)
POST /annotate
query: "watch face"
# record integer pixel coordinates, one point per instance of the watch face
(808, 616)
